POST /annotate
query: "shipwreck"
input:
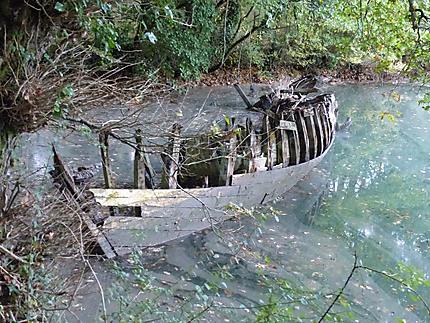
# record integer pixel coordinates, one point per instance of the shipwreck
(240, 162)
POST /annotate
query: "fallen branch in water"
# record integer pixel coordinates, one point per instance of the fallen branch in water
(354, 268)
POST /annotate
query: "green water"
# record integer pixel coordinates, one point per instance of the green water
(371, 198)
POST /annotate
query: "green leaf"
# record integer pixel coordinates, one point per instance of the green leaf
(59, 7)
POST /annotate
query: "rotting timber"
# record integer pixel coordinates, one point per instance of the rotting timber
(240, 162)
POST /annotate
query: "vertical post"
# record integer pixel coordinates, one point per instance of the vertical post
(271, 144)
(174, 158)
(250, 131)
(300, 115)
(296, 143)
(253, 148)
(285, 145)
(104, 152)
(313, 140)
(139, 167)
(319, 130)
(232, 155)
(325, 129)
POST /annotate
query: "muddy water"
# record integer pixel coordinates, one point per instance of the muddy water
(370, 197)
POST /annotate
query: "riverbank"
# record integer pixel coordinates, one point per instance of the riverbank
(347, 74)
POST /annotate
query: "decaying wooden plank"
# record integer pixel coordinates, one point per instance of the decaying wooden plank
(320, 134)
(100, 237)
(139, 167)
(287, 125)
(173, 158)
(305, 135)
(139, 162)
(66, 177)
(253, 148)
(324, 123)
(107, 196)
(64, 174)
(243, 96)
(271, 142)
(285, 148)
(296, 144)
(231, 158)
(288, 176)
(310, 125)
(104, 152)
(128, 233)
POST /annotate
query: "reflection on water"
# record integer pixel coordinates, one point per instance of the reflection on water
(370, 195)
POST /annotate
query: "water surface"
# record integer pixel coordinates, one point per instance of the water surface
(370, 197)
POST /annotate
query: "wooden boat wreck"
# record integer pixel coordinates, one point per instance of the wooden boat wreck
(241, 162)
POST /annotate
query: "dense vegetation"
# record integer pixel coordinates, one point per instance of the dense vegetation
(48, 45)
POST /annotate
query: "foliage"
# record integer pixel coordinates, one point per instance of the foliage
(173, 38)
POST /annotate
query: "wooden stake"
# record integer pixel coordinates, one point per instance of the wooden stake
(253, 149)
(104, 152)
(139, 167)
(285, 146)
(252, 146)
(231, 158)
(271, 143)
(174, 158)
(107, 173)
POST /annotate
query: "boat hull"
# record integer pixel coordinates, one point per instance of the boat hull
(169, 214)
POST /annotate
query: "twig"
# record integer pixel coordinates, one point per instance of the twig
(200, 313)
(10, 253)
(354, 268)
(400, 282)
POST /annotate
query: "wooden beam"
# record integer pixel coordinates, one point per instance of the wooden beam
(104, 152)
(173, 154)
(285, 148)
(63, 173)
(231, 158)
(252, 146)
(296, 143)
(243, 96)
(66, 177)
(313, 140)
(325, 128)
(271, 142)
(139, 161)
(320, 131)
(305, 135)
(139, 167)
